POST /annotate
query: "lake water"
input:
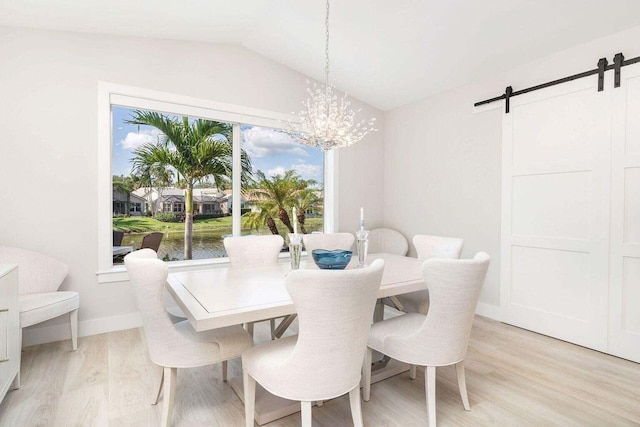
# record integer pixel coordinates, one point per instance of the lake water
(206, 244)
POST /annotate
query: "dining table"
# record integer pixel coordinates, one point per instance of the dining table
(226, 296)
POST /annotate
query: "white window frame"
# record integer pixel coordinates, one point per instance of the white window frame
(116, 94)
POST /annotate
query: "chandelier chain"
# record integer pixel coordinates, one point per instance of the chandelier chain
(327, 122)
(326, 47)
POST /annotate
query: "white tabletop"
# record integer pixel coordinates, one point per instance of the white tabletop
(226, 296)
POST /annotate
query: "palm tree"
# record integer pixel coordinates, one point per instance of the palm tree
(275, 198)
(263, 216)
(307, 199)
(196, 149)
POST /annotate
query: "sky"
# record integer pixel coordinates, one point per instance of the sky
(270, 150)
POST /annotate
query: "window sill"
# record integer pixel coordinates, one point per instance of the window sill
(118, 273)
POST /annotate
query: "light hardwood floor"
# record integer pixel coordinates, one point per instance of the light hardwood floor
(514, 377)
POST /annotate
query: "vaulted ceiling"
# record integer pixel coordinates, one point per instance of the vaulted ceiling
(386, 53)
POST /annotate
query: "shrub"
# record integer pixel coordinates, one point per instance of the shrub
(167, 217)
(209, 216)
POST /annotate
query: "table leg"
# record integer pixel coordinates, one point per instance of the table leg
(283, 326)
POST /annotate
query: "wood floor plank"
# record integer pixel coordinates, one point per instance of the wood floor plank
(514, 378)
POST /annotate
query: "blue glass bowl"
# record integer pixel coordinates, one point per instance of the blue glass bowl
(331, 260)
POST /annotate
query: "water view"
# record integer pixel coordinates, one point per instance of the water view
(206, 243)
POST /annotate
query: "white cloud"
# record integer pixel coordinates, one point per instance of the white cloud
(278, 170)
(265, 142)
(304, 170)
(307, 171)
(134, 140)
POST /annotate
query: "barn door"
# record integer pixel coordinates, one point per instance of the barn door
(624, 302)
(555, 212)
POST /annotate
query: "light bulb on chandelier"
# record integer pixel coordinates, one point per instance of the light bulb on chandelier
(326, 121)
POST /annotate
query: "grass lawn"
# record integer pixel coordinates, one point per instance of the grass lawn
(142, 224)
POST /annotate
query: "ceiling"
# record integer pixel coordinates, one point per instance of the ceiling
(386, 53)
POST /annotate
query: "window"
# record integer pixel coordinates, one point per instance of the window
(285, 174)
(272, 155)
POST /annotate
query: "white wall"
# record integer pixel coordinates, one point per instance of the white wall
(443, 162)
(48, 143)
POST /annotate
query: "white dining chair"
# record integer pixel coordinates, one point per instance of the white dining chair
(39, 278)
(329, 241)
(439, 338)
(172, 346)
(427, 247)
(387, 240)
(324, 360)
(252, 251)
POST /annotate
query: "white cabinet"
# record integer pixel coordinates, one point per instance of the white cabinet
(9, 327)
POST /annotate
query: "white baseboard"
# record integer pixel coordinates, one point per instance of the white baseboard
(47, 334)
(488, 310)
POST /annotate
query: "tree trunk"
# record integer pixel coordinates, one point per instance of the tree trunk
(188, 221)
(301, 217)
(272, 226)
(284, 217)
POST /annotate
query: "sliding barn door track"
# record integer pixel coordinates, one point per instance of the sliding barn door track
(603, 65)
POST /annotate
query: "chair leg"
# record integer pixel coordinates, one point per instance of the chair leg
(224, 371)
(306, 413)
(430, 381)
(412, 372)
(170, 379)
(73, 320)
(159, 387)
(356, 408)
(366, 374)
(249, 385)
(462, 385)
(249, 327)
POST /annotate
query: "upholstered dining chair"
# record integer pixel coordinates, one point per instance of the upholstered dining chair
(117, 238)
(427, 247)
(387, 240)
(172, 346)
(152, 241)
(328, 241)
(39, 278)
(252, 251)
(323, 361)
(440, 337)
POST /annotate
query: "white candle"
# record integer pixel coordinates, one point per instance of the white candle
(295, 221)
(361, 218)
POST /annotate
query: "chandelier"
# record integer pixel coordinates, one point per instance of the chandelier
(326, 121)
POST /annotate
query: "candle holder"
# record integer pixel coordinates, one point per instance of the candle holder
(295, 250)
(362, 244)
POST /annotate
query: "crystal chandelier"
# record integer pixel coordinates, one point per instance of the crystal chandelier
(326, 122)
